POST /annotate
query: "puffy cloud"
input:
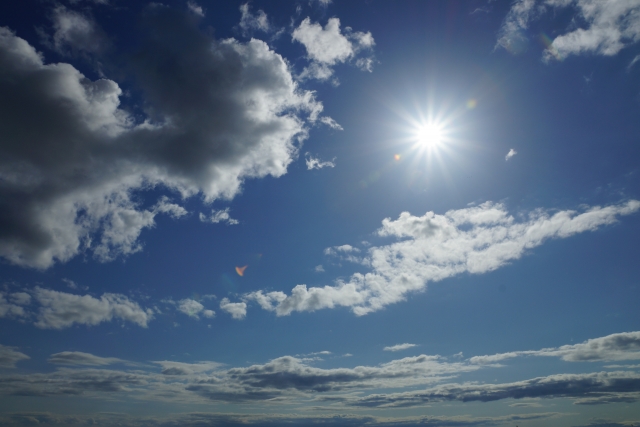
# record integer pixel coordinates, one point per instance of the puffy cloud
(319, 269)
(611, 26)
(79, 358)
(434, 247)
(190, 307)
(9, 357)
(399, 347)
(510, 154)
(60, 310)
(238, 310)
(71, 157)
(315, 163)
(218, 216)
(328, 46)
(583, 387)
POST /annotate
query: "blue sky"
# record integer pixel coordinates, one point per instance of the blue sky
(320, 213)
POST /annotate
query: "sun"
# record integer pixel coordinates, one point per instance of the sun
(429, 135)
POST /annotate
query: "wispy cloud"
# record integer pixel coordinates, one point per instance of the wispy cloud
(218, 216)
(510, 154)
(399, 347)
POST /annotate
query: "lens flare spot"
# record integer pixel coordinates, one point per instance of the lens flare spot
(471, 104)
(397, 156)
(240, 270)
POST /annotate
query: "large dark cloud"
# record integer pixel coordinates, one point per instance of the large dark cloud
(217, 112)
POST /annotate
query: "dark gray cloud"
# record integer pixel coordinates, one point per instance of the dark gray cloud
(217, 113)
(584, 386)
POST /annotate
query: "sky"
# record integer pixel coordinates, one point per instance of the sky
(320, 212)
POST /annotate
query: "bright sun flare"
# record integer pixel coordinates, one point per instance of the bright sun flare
(429, 135)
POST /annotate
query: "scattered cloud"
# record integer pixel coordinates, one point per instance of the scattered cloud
(315, 163)
(75, 33)
(193, 308)
(61, 310)
(331, 123)
(329, 46)
(399, 347)
(510, 154)
(610, 26)
(195, 8)
(9, 357)
(68, 172)
(433, 247)
(250, 23)
(171, 209)
(78, 358)
(238, 310)
(319, 269)
(218, 216)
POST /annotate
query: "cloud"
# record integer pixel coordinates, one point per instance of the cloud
(212, 419)
(315, 163)
(193, 308)
(287, 374)
(610, 26)
(319, 268)
(331, 123)
(180, 368)
(510, 154)
(71, 157)
(250, 22)
(195, 8)
(575, 386)
(620, 346)
(238, 310)
(328, 46)
(218, 216)
(9, 357)
(334, 250)
(434, 247)
(76, 33)
(78, 358)
(399, 347)
(172, 209)
(61, 310)
(10, 309)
